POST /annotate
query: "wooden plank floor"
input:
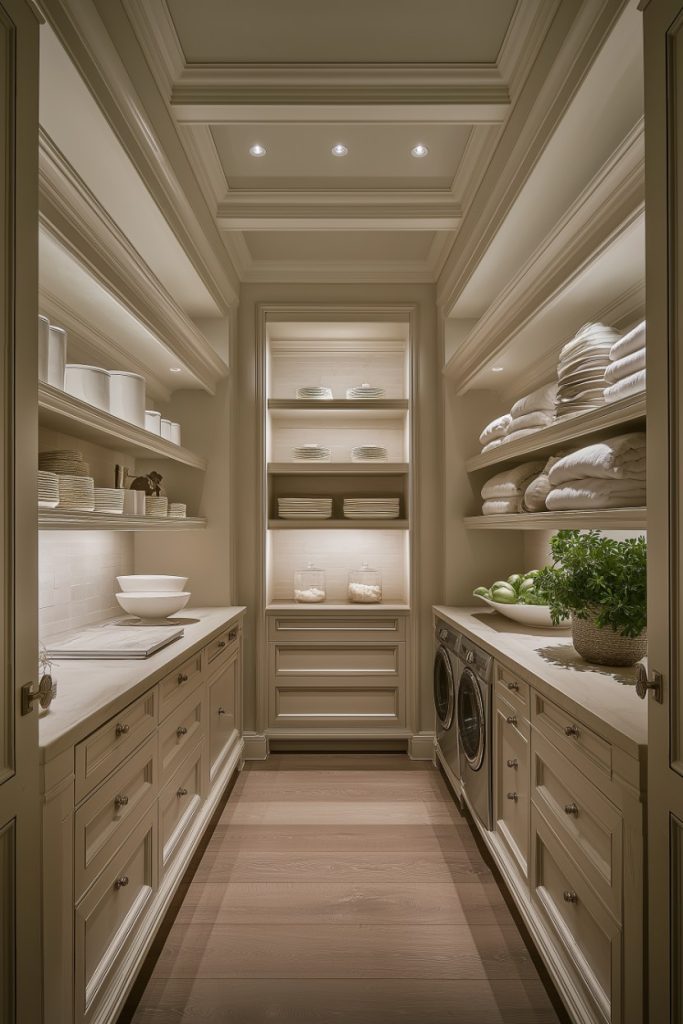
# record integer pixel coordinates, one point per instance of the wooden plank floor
(343, 889)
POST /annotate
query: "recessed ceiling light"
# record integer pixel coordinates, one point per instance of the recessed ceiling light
(497, 369)
(257, 150)
(339, 150)
(175, 369)
(419, 151)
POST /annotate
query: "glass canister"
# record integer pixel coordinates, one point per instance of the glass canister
(309, 585)
(365, 585)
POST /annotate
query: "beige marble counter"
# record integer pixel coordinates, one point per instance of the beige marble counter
(605, 699)
(90, 692)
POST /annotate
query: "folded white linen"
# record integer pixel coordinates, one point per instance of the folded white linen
(625, 366)
(511, 483)
(496, 428)
(632, 385)
(540, 418)
(500, 506)
(587, 494)
(631, 342)
(607, 460)
(515, 435)
(539, 489)
(542, 399)
(493, 444)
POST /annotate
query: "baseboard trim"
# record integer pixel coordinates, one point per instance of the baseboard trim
(421, 747)
(256, 746)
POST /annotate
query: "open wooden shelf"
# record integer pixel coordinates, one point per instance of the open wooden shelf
(591, 426)
(602, 519)
(61, 411)
(368, 405)
(337, 524)
(338, 468)
(53, 519)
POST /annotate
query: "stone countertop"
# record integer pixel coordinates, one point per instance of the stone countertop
(603, 698)
(90, 691)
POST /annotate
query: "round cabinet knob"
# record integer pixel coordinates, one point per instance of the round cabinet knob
(569, 896)
(221, 643)
(182, 678)
(571, 809)
(511, 719)
(513, 796)
(513, 762)
(513, 686)
(181, 792)
(571, 730)
(121, 882)
(122, 729)
(221, 710)
(120, 801)
(181, 731)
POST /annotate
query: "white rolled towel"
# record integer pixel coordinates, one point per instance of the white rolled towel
(617, 458)
(540, 400)
(591, 493)
(539, 489)
(501, 506)
(540, 418)
(631, 342)
(493, 444)
(495, 429)
(632, 385)
(625, 367)
(511, 483)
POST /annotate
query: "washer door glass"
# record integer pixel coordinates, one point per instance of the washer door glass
(471, 724)
(444, 688)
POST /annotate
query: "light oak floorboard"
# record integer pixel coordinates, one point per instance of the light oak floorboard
(287, 839)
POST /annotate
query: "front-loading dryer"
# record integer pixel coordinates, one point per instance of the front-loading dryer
(474, 715)
(447, 670)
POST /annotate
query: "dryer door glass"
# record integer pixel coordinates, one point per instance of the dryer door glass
(444, 688)
(471, 724)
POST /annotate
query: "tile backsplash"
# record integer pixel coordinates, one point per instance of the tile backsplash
(77, 577)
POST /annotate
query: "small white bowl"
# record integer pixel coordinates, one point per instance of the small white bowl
(527, 614)
(153, 606)
(141, 584)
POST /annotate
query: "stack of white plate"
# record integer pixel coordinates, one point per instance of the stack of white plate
(304, 508)
(369, 453)
(76, 493)
(157, 507)
(371, 508)
(67, 462)
(109, 500)
(48, 489)
(177, 510)
(311, 453)
(365, 391)
(316, 393)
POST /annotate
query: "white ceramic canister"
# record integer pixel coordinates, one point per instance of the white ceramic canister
(153, 421)
(43, 343)
(166, 429)
(175, 433)
(133, 503)
(127, 397)
(56, 356)
(89, 383)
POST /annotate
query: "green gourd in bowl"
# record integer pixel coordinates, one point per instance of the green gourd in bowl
(518, 599)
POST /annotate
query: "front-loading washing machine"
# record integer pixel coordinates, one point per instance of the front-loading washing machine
(474, 714)
(447, 671)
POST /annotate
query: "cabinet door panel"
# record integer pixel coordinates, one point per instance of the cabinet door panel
(223, 704)
(512, 783)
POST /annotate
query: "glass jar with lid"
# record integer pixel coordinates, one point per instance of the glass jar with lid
(365, 585)
(309, 585)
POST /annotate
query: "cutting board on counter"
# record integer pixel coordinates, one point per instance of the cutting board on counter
(110, 640)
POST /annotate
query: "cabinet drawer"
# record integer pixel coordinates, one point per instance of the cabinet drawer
(108, 746)
(322, 628)
(180, 731)
(104, 820)
(512, 785)
(326, 660)
(224, 645)
(585, 934)
(176, 686)
(590, 827)
(584, 748)
(222, 711)
(110, 913)
(514, 689)
(180, 801)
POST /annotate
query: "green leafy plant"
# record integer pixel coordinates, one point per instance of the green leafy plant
(596, 577)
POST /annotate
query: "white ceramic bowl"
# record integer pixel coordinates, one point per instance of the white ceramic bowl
(140, 584)
(89, 383)
(527, 614)
(127, 396)
(153, 606)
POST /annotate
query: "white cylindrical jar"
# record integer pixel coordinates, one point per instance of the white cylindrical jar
(309, 585)
(89, 383)
(365, 585)
(127, 397)
(166, 429)
(43, 343)
(175, 433)
(153, 421)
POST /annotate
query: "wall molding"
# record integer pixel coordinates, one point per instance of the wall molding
(256, 746)
(421, 746)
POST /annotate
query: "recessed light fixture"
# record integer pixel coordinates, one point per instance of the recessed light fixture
(339, 150)
(419, 151)
(175, 369)
(497, 369)
(257, 150)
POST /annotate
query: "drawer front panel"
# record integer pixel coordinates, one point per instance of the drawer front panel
(338, 660)
(338, 703)
(179, 803)
(177, 685)
(108, 746)
(109, 914)
(586, 935)
(335, 628)
(514, 689)
(590, 826)
(512, 785)
(180, 732)
(104, 820)
(222, 711)
(223, 646)
(584, 748)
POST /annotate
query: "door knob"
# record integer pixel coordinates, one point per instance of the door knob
(513, 686)
(571, 730)
(513, 762)
(569, 896)
(45, 694)
(182, 678)
(181, 792)
(120, 801)
(571, 809)
(513, 796)
(511, 720)
(122, 729)
(646, 682)
(181, 731)
(121, 882)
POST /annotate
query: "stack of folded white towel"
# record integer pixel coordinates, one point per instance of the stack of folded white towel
(609, 474)
(503, 493)
(538, 490)
(581, 369)
(495, 432)
(529, 414)
(625, 374)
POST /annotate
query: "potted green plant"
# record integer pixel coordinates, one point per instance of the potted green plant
(601, 584)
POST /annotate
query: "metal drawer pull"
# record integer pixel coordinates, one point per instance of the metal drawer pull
(181, 792)
(120, 801)
(232, 635)
(221, 643)
(571, 730)
(181, 730)
(122, 729)
(513, 686)
(571, 809)
(121, 882)
(513, 796)
(221, 710)
(182, 678)
(511, 719)
(513, 762)
(570, 896)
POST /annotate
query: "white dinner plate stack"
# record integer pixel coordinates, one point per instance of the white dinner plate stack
(48, 489)
(109, 500)
(311, 453)
(368, 453)
(371, 508)
(314, 393)
(365, 391)
(63, 462)
(304, 508)
(76, 493)
(156, 507)
(177, 510)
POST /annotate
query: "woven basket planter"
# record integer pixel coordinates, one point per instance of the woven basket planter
(605, 646)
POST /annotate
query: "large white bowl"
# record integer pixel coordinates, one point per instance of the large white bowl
(151, 584)
(527, 614)
(153, 606)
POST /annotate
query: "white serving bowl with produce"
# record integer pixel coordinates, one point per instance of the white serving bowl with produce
(516, 598)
